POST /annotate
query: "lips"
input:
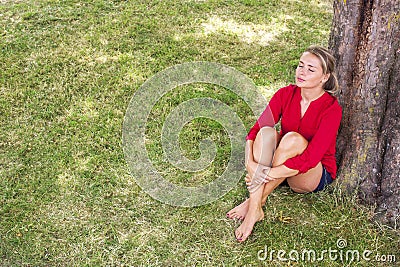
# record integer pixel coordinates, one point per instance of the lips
(300, 80)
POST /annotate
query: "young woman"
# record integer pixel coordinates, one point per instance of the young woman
(303, 153)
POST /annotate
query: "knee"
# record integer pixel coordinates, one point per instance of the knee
(293, 140)
(266, 134)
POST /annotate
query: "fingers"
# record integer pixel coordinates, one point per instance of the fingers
(255, 183)
(269, 179)
(257, 177)
(260, 177)
(247, 178)
(249, 181)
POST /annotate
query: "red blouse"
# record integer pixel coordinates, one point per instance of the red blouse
(319, 126)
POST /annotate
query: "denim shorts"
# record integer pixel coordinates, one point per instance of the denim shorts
(326, 179)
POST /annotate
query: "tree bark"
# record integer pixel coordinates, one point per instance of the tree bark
(365, 40)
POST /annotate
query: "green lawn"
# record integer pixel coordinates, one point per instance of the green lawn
(68, 70)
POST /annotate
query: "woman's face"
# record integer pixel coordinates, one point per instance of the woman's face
(309, 72)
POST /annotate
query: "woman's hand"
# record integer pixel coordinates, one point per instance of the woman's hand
(257, 171)
(257, 174)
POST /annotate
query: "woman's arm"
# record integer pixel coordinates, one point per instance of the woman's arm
(281, 172)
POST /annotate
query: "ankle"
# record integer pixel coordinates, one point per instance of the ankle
(256, 208)
(263, 201)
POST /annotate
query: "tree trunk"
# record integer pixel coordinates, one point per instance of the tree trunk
(365, 40)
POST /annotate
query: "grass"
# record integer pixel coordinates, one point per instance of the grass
(68, 71)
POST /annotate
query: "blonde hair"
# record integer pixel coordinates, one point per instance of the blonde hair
(328, 64)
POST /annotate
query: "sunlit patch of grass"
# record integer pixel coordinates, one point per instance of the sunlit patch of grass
(248, 33)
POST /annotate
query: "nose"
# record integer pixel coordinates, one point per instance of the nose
(301, 71)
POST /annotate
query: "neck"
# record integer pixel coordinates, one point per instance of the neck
(309, 95)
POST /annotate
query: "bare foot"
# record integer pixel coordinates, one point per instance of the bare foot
(240, 211)
(245, 229)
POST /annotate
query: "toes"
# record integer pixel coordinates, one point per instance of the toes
(230, 215)
(242, 234)
(234, 215)
(238, 216)
(243, 238)
(238, 235)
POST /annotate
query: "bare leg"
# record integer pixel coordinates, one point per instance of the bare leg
(291, 145)
(255, 212)
(254, 204)
(294, 144)
(263, 152)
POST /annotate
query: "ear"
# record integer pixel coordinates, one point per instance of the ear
(326, 77)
